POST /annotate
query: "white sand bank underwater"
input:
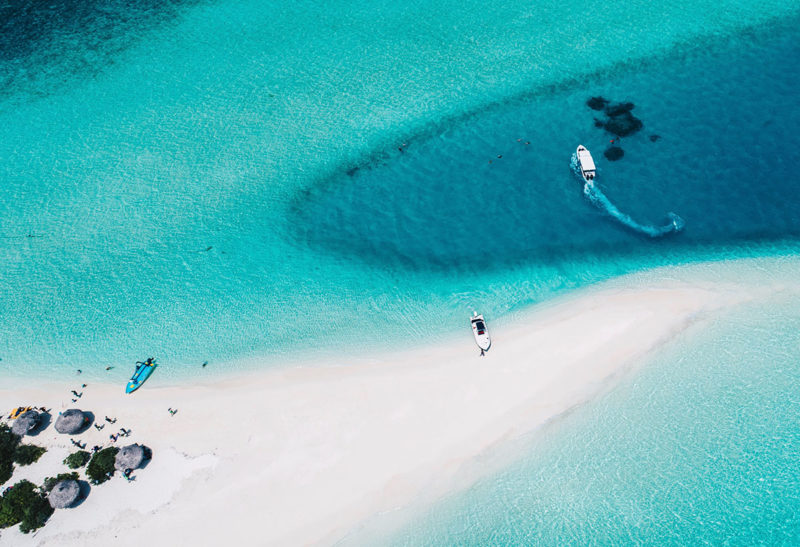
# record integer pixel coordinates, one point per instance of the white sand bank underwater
(305, 455)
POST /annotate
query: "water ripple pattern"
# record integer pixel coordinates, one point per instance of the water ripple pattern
(700, 447)
(175, 174)
(596, 196)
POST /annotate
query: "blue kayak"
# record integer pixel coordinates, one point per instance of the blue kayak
(142, 373)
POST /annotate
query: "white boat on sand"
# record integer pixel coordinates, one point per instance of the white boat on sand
(480, 331)
(586, 164)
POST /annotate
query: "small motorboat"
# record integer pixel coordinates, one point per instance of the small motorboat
(586, 164)
(143, 371)
(480, 331)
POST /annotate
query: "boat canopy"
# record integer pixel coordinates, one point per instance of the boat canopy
(587, 163)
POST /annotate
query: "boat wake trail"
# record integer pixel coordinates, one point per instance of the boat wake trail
(597, 197)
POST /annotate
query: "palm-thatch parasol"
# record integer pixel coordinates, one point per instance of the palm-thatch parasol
(129, 457)
(26, 423)
(71, 421)
(64, 494)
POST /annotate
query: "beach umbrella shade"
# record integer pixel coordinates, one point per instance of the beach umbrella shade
(64, 494)
(71, 421)
(129, 457)
(26, 423)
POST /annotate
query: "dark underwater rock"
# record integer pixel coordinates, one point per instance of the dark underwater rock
(352, 171)
(654, 138)
(619, 109)
(623, 124)
(597, 103)
(598, 123)
(614, 153)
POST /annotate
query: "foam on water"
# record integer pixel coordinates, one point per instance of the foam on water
(596, 195)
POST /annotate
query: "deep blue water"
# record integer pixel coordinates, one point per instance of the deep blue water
(725, 115)
(45, 46)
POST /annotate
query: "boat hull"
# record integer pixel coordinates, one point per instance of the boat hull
(586, 164)
(480, 332)
(139, 378)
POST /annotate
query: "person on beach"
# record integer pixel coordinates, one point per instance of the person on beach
(99, 427)
(109, 420)
(482, 352)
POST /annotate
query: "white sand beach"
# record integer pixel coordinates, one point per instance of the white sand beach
(305, 455)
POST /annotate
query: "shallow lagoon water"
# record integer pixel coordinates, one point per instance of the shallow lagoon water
(700, 446)
(176, 192)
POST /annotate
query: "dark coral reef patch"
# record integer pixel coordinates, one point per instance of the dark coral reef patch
(614, 153)
(597, 103)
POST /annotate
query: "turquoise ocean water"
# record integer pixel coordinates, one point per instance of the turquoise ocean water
(203, 181)
(175, 178)
(699, 447)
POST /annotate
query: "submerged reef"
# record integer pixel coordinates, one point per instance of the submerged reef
(597, 103)
(619, 121)
(614, 153)
(619, 109)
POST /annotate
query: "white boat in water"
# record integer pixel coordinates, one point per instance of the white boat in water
(586, 164)
(480, 331)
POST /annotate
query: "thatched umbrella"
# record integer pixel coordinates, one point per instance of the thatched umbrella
(26, 423)
(64, 494)
(71, 421)
(129, 457)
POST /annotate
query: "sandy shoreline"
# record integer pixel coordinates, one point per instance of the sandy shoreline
(304, 455)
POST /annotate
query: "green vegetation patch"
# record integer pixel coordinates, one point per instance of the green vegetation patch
(26, 454)
(25, 504)
(8, 446)
(50, 482)
(101, 466)
(77, 459)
